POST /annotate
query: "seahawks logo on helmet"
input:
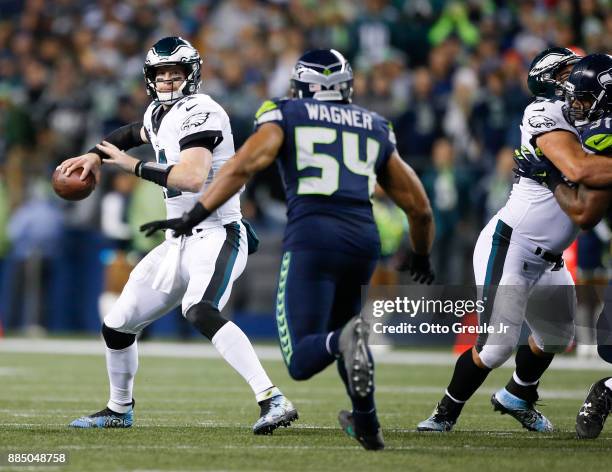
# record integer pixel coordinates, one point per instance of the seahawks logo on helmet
(173, 50)
(605, 78)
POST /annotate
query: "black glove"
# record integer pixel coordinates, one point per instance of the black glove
(181, 226)
(536, 167)
(419, 267)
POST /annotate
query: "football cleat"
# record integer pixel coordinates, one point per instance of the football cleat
(371, 442)
(521, 410)
(275, 412)
(440, 421)
(596, 408)
(353, 345)
(106, 418)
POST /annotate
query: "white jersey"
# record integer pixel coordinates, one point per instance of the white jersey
(531, 209)
(190, 119)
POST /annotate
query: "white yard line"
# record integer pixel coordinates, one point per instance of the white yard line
(268, 353)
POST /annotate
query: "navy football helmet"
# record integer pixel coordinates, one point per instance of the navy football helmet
(322, 74)
(588, 90)
(173, 50)
(542, 79)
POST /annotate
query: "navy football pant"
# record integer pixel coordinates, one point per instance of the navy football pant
(318, 292)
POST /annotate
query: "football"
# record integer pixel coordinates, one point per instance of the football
(72, 187)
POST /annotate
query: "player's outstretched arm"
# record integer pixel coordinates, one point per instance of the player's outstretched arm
(257, 153)
(189, 174)
(405, 189)
(563, 149)
(126, 137)
(585, 206)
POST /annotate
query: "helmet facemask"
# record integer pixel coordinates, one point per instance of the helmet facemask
(175, 94)
(583, 107)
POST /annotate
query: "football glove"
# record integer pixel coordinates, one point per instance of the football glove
(182, 226)
(419, 267)
(536, 167)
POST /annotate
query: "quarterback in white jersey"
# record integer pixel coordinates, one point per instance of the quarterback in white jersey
(192, 139)
(190, 120)
(520, 275)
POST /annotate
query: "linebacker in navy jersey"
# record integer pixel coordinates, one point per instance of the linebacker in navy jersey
(331, 154)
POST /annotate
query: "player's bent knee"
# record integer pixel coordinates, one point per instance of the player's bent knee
(494, 356)
(115, 339)
(206, 318)
(297, 371)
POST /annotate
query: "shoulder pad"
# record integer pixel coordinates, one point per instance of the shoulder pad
(542, 116)
(270, 110)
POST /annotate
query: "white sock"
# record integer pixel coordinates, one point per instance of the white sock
(608, 383)
(453, 398)
(523, 383)
(238, 352)
(121, 365)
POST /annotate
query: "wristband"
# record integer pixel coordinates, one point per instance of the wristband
(153, 172)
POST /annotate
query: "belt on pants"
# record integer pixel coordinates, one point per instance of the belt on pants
(553, 258)
(556, 259)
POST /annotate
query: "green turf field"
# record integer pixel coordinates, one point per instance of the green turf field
(196, 414)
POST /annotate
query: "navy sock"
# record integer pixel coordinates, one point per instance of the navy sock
(364, 408)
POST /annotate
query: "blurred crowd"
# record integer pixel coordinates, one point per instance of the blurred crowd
(451, 76)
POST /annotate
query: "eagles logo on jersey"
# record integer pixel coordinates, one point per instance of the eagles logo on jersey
(194, 121)
(541, 121)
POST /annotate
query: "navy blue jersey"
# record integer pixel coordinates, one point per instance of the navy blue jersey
(596, 137)
(329, 160)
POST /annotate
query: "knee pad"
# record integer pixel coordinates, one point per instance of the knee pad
(495, 356)
(205, 318)
(115, 339)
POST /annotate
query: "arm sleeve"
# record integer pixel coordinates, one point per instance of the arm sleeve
(126, 137)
